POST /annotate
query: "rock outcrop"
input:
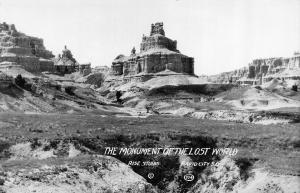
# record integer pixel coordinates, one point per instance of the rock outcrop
(85, 69)
(27, 51)
(157, 53)
(67, 64)
(262, 70)
(18, 50)
(231, 76)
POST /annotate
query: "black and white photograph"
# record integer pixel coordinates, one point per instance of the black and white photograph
(149, 96)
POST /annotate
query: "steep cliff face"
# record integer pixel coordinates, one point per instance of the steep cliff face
(24, 50)
(157, 53)
(231, 76)
(262, 70)
(270, 66)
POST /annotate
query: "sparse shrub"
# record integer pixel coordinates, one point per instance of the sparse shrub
(53, 144)
(242, 102)
(57, 87)
(258, 87)
(36, 130)
(245, 165)
(149, 107)
(87, 184)
(27, 86)
(70, 90)
(35, 143)
(118, 96)
(2, 181)
(96, 79)
(20, 81)
(250, 119)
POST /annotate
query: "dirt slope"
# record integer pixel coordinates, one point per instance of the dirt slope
(256, 98)
(15, 99)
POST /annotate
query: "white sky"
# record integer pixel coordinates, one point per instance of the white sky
(221, 35)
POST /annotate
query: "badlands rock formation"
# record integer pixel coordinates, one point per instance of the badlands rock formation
(157, 53)
(20, 51)
(67, 64)
(27, 51)
(263, 70)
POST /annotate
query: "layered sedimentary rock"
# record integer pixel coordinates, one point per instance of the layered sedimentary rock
(262, 70)
(27, 51)
(66, 64)
(85, 69)
(231, 76)
(157, 53)
(270, 68)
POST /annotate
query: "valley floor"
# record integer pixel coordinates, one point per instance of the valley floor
(275, 148)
